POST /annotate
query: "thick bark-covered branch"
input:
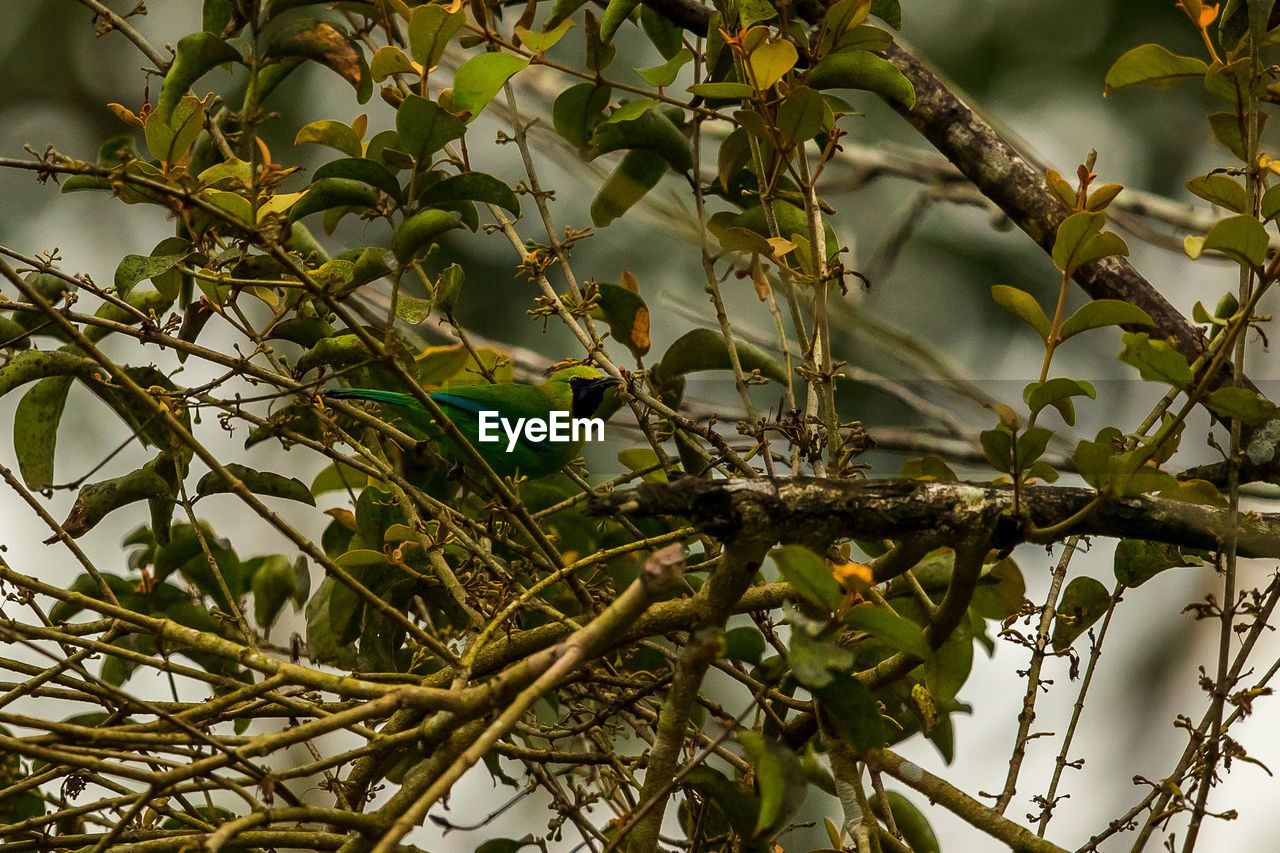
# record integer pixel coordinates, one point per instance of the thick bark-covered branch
(811, 509)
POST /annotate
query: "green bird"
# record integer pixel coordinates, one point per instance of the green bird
(534, 430)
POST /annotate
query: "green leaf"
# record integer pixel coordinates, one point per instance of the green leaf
(889, 11)
(839, 18)
(948, 668)
(472, 186)
(424, 128)
(600, 52)
(1031, 445)
(449, 290)
(363, 170)
(615, 14)
(577, 110)
(779, 779)
(330, 133)
(997, 446)
(323, 634)
(627, 316)
(328, 193)
(809, 575)
(96, 500)
(1271, 203)
(802, 116)
(890, 628)
(506, 845)
(481, 77)
(431, 28)
(651, 131)
(389, 60)
(274, 583)
(1195, 492)
(1155, 360)
(1079, 241)
(928, 467)
(1001, 591)
(1152, 65)
(1103, 312)
(722, 90)
(913, 825)
(258, 482)
(1220, 190)
(420, 231)
(1241, 238)
(134, 268)
(168, 139)
(338, 477)
(411, 309)
(665, 36)
(1227, 130)
(336, 351)
(739, 806)
(196, 55)
(1138, 561)
(35, 430)
(704, 349)
(1083, 603)
(744, 644)
(633, 177)
(666, 73)
(860, 69)
(545, 40)
(854, 712)
(1058, 392)
(1022, 305)
(1242, 404)
(863, 37)
(752, 12)
(631, 110)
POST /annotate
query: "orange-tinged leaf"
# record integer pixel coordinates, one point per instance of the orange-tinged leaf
(126, 115)
(759, 280)
(640, 330)
(345, 517)
(854, 577)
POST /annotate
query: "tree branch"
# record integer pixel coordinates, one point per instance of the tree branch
(811, 509)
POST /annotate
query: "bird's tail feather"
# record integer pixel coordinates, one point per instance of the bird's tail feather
(394, 398)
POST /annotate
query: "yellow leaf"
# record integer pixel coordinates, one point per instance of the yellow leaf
(279, 203)
(781, 246)
(770, 61)
(833, 833)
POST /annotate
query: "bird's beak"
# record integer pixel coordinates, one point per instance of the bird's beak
(604, 383)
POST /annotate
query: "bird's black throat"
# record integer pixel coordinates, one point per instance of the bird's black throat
(587, 394)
